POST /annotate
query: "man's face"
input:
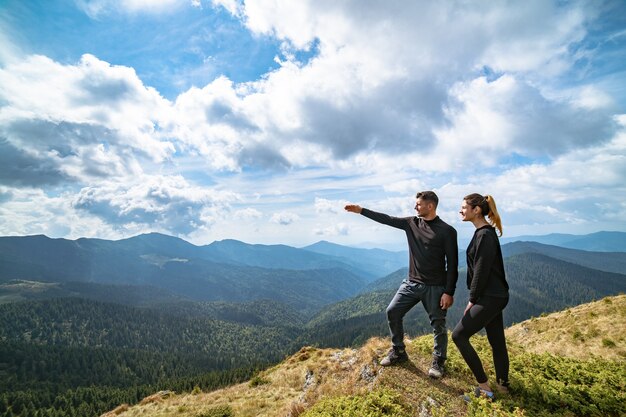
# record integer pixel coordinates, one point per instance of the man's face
(423, 207)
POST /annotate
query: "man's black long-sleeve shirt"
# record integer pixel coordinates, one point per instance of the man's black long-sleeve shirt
(485, 266)
(433, 249)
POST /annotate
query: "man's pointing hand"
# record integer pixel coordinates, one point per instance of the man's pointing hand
(354, 208)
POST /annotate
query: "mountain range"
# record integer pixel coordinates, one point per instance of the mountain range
(223, 271)
(156, 269)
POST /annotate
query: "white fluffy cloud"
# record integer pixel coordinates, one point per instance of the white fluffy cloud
(78, 121)
(494, 119)
(170, 203)
(380, 83)
(248, 214)
(323, 205)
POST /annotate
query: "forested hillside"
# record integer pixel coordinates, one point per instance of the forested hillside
(82, 323)
(55, 352)
(538, 284)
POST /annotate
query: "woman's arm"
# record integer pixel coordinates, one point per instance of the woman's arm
(485, 255)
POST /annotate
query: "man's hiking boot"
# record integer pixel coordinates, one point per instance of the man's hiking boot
(396, 355)
(436, 369)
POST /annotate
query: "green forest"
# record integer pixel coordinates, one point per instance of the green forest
(76, 357)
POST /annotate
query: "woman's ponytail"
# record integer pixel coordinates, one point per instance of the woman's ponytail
(488, 208)
(494, 217)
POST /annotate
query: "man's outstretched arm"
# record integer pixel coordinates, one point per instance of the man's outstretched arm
(398, 222)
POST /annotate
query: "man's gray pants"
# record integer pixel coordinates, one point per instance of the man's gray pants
(408, 295)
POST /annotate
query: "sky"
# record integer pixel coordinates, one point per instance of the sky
(259, 120)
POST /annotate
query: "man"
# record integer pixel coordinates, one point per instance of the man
(433, 263)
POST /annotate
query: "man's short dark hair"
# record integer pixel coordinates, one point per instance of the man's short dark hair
(428, 196)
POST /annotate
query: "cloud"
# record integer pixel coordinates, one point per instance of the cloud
(323, 205)
(5, 195)
(339, 229)
(28, 211)
(284, 218)
(233, 6)
(19, 168)
(584, 184)
(377, 87)
(580, 187)
(168, 203)
(98, 120)
(248, 214)
(493, 119)
(379, 82)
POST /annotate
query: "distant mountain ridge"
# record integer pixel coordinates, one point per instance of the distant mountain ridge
(604, 241)
(164, 248)
(603, 261)
(378, 262)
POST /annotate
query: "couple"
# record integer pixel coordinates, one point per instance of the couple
(433, 262)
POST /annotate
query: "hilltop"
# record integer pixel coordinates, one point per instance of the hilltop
(567, 363)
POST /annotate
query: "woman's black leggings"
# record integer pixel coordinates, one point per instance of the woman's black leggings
(487, 314)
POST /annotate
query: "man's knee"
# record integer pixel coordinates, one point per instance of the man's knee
(394, 313)
(439, 326)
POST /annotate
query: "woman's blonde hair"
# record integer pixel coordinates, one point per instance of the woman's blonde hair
(488, 208)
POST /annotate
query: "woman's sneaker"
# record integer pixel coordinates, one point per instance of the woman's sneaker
(479, 392)
(436, 369)
(503, 387)
(396, 355)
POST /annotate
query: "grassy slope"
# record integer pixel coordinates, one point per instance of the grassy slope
(593, 329)
(319, 382)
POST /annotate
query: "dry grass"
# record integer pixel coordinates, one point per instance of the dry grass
(294, 385)
(117, 411)
(594, 329)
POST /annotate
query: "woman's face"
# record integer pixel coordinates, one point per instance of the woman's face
(467, 212)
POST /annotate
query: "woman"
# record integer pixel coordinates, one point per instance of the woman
(489, 293)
